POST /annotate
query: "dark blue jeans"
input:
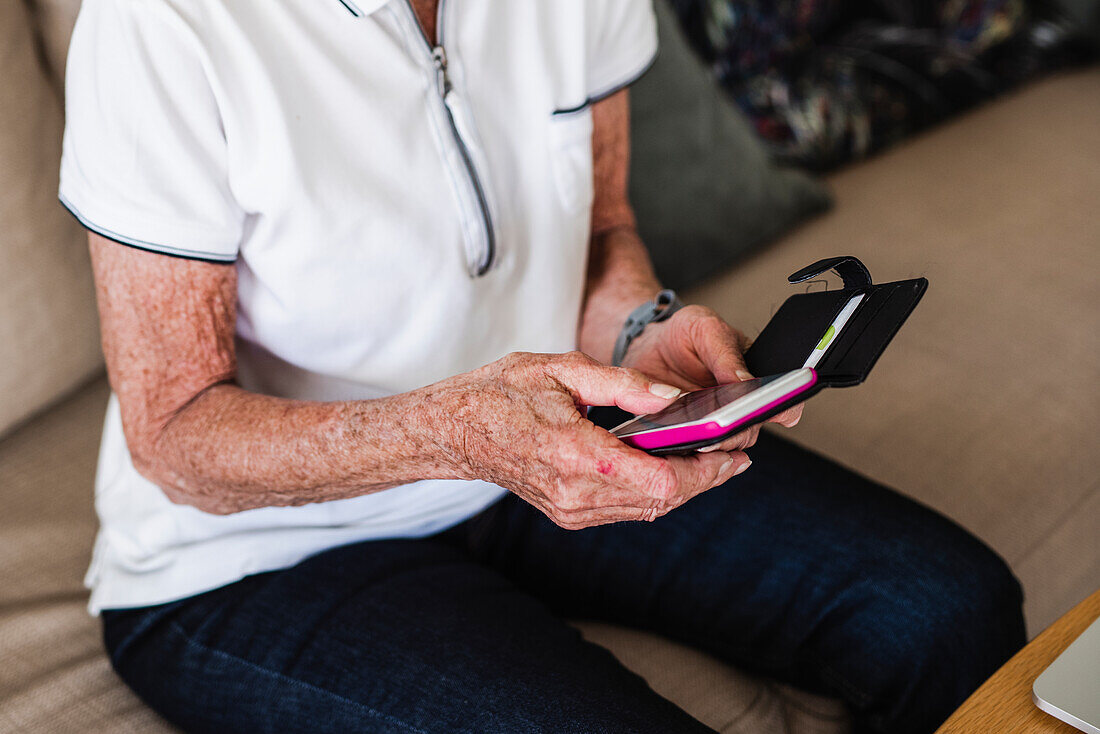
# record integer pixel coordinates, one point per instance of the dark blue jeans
(798, 569)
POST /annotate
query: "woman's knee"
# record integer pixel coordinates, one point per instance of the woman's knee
(943, 621)
(956, 591)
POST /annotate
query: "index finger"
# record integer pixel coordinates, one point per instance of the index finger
(789, 418)
(733, 360)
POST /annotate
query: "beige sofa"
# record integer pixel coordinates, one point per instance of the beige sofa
(985, 407)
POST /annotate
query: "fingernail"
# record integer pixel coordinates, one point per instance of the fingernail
(726, 467)
(743, 375)
(712, 447)
(743, 467)
(664, 391)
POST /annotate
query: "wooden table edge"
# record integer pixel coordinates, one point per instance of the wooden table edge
(1004, 702)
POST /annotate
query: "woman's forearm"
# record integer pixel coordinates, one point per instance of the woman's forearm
(230, 450)
(620, 278)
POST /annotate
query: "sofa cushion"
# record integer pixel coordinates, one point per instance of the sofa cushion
(54, 20)
(48, 329)
(701, 183)
(55, 676)
(721, 697)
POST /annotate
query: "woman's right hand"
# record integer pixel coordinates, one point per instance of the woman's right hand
(518, 423)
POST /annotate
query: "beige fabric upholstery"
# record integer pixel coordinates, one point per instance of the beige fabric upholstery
(55, 677)
(48, 338)
(722, 698)
(54, 19)
(986, 405)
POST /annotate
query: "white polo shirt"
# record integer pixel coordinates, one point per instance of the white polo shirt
(398, 212)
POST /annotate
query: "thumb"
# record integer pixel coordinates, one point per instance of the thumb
(593, 383)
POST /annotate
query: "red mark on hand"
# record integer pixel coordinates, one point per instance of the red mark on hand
(604, 467)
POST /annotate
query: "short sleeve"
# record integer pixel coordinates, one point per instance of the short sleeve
(622, 43)
(145, 158)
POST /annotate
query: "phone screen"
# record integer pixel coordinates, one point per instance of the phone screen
(698, 404)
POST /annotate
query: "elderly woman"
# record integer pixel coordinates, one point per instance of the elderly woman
(357, 266)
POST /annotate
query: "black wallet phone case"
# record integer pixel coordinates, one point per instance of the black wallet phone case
(802, 320)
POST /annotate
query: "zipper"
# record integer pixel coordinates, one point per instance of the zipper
(443, 86)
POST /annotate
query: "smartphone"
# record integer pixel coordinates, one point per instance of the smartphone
(711, 415)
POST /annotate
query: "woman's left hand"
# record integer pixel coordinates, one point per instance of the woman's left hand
(696, 348)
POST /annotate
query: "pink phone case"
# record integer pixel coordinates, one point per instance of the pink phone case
(707, 433)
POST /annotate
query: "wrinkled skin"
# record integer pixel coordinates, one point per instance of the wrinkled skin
(521, 427)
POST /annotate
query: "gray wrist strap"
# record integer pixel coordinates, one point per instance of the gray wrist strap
(664, 305)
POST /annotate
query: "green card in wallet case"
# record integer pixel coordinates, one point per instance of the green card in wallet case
(803, 319)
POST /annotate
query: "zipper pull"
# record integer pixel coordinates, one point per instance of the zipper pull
(439, 59)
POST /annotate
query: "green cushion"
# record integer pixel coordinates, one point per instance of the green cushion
(701, 183)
